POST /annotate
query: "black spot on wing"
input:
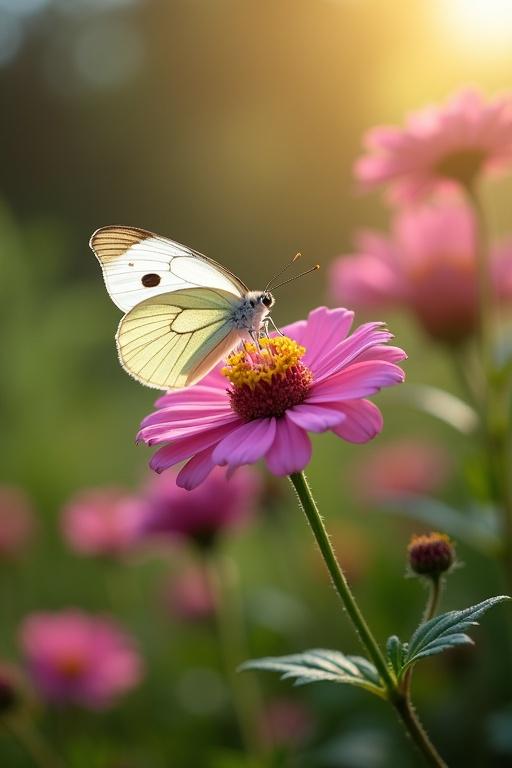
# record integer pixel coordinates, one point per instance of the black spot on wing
(151, 280)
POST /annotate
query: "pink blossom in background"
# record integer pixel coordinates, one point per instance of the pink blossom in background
(102, 521)
(440, 147)
(427, 265)
(75, 658)
(17, 522)
(219, 504)
(262, 404)
(189, 595)
(402, 468)
(286, 722)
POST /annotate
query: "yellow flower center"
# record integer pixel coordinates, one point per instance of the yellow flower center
(269, 380)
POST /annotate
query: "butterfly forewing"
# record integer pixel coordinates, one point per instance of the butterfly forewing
(138, 265)
(174, 339)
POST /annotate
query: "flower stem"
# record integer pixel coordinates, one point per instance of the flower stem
(434, 596)
(33, 743)
(400, 701)
(223, 577)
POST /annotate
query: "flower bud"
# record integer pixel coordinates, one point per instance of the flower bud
(431, 555)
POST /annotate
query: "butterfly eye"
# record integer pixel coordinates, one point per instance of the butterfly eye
(151, 280)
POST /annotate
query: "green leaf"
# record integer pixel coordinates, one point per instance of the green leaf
(395, 652)
(446, 631)
(442, 405)
(320, 664)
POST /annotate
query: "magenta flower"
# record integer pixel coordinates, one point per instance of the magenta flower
(440, 147)
(428, 265)
(74, 658)
(16, 521)
(102, 521)
(217, 505)
(264, 402)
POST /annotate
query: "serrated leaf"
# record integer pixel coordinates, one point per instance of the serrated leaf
(446, 631)
(395, 653)
(321, 664)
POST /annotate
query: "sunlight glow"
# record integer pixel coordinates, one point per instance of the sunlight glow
(483, 25)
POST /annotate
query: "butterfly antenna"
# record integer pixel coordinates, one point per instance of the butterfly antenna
(281, 271)
(296, 277)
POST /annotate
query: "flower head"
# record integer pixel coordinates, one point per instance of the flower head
(190, 596)
(102, 521)
(264, 401)
(440, 147)
(74, 658)
(16, 521)
(219, 504)
(428, 266)
(431, 555)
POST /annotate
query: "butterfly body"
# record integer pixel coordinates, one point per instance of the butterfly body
(184, 312)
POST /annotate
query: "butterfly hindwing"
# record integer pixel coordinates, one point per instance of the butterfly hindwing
(138, 264)
(173, 339)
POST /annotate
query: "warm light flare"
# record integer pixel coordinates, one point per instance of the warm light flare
(484, 25)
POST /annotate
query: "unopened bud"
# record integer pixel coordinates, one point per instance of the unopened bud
(431, 555)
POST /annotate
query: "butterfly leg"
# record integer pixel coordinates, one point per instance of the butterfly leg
(254, 336)
(269, 320)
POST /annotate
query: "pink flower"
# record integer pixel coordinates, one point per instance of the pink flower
(16, 521)
(402, 468)
(189, 595)
(263, 402)
(440, 147)
(428, 266)
(74, 658)
(102, 521)
(217, 505)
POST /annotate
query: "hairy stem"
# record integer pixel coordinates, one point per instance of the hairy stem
(400, 701)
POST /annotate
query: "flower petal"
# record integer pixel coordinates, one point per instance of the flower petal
(246, 444)
(358, 380)
(187, 445)
(330, 326)
(314, 418)
(363, 421)
(196, 470)
(291, 449)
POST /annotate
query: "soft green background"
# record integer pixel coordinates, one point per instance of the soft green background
(230, 125)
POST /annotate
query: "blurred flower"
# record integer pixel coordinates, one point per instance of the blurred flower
(201, 515)
(430, 555)
(286, 722)
(406, 467)
(189, 595)
(428, 265)
(102, 521)
(440, 147)
(16, 521)
(276, 395)
(75, 658)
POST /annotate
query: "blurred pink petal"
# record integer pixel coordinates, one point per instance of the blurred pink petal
(17, 522)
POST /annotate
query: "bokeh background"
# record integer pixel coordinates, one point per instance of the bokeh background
(232, 126)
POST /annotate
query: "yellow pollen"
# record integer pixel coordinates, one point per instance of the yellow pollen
(252, 365)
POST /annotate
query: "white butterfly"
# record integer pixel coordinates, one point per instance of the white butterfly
(184, 312)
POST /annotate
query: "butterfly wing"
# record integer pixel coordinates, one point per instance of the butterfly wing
(138, 264)
(174, 339)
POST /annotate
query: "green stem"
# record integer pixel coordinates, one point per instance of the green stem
(33, 743)
(434, 596)
(396, 697)
(224, 580)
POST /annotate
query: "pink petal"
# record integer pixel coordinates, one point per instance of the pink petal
(365, 337)
(187, 446)
(329, 325)
(291, 449)
(359, 380)
(314, 418)
(162, 433)
(189, 411)
(198, 393)
(363, 421)
(196, 470)
(382, 352)
(246, 444)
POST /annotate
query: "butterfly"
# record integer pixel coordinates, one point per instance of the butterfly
(184, 311)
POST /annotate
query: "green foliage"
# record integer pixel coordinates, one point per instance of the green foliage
(437, 635)
(320, 664)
